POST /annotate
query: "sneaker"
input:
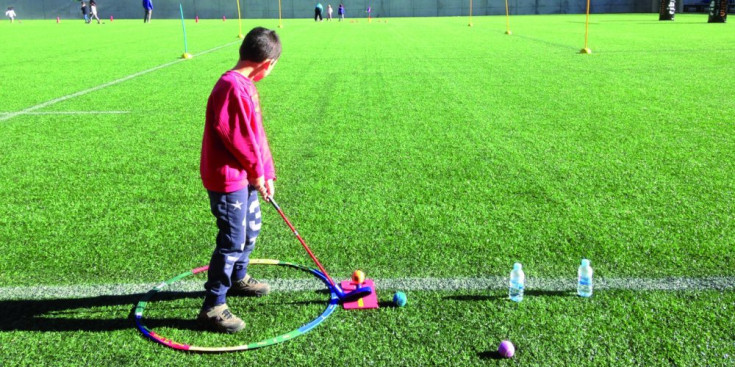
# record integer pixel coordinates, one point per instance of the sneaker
(219, 318)
(248, 286)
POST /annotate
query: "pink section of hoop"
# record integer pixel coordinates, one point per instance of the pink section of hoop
(199, 270)
(169, 342)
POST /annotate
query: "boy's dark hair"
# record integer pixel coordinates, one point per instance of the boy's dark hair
(260, 44)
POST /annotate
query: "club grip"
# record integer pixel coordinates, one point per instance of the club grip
(275, 205)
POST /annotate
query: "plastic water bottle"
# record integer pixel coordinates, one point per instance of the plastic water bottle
(517, 281)
(584, 279)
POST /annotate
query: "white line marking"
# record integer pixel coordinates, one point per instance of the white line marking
(94, 89)
(404, 284)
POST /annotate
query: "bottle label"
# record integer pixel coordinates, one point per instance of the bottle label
(585, 281)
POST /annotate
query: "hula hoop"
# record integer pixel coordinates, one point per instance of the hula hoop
(331, 306)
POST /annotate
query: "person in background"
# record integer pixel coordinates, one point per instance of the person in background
(341, 12)
(93, 11)
(10, 13)
(85, 12)
(329, 11)
(318, 11)
(148, 7)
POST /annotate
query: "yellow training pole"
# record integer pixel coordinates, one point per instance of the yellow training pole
(507, 19)
(470, 14)
(280, 22)
(239, 20)
(586, 49)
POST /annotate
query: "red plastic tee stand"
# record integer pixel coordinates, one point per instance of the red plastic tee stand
(369, 301)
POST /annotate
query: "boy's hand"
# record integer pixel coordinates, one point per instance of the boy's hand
(270, 188)
(259, 184)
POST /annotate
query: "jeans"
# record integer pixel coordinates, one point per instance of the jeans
(238, 221)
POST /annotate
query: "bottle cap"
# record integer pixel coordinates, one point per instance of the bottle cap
(517, 266)
(585, 262)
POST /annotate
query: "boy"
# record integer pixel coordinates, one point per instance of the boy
(236, 164)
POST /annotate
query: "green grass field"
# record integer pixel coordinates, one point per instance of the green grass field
(415, 149)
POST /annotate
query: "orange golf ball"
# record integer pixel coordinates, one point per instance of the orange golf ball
(358, 277)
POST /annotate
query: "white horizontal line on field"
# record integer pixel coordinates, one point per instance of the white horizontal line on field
(404, 284)
(70, 112)
(8, 116)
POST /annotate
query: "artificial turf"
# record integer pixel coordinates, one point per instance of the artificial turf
(613, 328)
(412, 147)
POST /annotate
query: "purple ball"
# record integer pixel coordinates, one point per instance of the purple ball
(506, 349)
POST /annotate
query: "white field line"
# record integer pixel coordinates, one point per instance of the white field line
(69, 113)
(404, 284)
(39, 106)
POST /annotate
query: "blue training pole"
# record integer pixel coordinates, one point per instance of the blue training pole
(181, 9)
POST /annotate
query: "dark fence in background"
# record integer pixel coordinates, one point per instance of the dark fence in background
(131, 9)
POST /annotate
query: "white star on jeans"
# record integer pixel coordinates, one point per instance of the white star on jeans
(237, 205)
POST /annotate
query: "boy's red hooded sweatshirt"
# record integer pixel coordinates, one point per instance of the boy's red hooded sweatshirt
(234, 147)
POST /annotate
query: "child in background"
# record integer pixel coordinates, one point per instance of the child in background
(85, 12)
(236, 164)
(341, 12)
(329, 11)
(93, 11)
(10, 13)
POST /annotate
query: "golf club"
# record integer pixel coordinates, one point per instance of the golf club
(343, 297)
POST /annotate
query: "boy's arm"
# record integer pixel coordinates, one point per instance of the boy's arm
(269, 169)
(235, 129)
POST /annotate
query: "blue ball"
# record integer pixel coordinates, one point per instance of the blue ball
(399, 299)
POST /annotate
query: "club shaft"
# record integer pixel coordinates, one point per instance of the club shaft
(303, 243)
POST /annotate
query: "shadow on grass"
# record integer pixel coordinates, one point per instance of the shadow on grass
(476, 297)
(55, 314)
(491, 354)
(484, 297)
(547, 42)
(542, 293)
(307, 303)
(74, 314)
(190, 323)
(387, 304)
